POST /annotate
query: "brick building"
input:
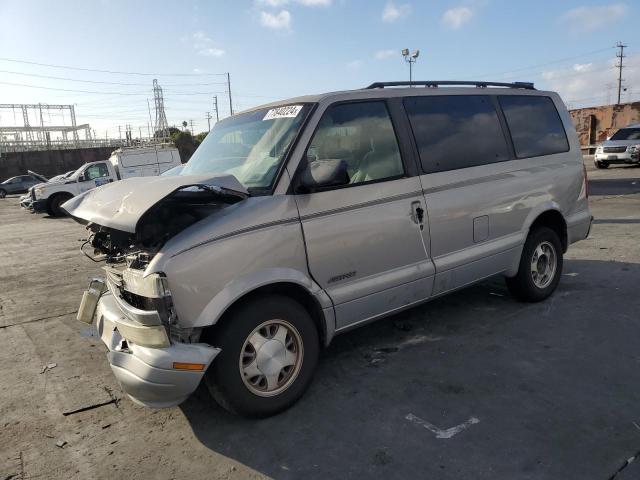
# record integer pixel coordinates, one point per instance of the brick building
(595, 124)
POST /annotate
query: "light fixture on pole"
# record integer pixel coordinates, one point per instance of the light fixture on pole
(410, 58)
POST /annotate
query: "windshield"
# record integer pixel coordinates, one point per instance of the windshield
(75, 174)
(250, 146)
(626, 134)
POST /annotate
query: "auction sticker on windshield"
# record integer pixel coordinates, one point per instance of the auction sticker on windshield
(290, 111)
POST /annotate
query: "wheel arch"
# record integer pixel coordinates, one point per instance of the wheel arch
(62, 193)
(553, 219)
(295, 286)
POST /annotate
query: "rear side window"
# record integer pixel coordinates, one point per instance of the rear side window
(534, 124)
(456, 131)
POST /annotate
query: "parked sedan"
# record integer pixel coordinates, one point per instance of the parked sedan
(20, 184)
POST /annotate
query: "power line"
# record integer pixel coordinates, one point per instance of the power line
(115, 72)
(94, 92)
(560, 60)
(52, 77)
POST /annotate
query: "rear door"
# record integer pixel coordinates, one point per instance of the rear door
(364, 241)
(463, 149)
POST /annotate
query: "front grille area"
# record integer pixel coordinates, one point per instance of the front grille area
(137, 301)
(614, 149)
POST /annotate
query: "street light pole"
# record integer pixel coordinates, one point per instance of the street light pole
(410, 58)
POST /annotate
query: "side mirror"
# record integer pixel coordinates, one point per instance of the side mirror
(323, 175)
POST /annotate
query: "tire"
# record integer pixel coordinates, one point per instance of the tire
(53, 207)
(601, 165)
(258, 323)
(534, 286)
(3, 193)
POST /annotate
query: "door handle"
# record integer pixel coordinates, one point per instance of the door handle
(417, 213)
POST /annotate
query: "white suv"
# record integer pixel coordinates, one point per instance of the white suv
(622, 148)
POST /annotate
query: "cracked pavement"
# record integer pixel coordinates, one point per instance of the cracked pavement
(554, 385)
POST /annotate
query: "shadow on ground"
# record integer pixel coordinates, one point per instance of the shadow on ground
(614, 186)
(554, 386)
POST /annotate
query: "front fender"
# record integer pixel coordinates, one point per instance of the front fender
(242, 286)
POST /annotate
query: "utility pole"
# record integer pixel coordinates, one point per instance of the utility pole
(208, 121)
(120, 132)
(191, 123)
(229, 90)
(620, 55)
(150, 121)
(215, 105)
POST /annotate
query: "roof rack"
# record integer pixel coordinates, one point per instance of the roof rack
(437, 83)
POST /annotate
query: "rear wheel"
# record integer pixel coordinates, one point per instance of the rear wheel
(3, 193)
(540, 266)
(53, 208)
(270, 349)
(601, 164)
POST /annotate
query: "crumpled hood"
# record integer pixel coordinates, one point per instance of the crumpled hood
(120, 204)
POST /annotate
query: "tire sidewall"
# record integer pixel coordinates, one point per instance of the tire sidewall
(3, 193)
(224, 377)
(54, 205)
(538, 236)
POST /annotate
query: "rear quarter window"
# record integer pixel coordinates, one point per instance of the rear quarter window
(456, 131)
(534, 124)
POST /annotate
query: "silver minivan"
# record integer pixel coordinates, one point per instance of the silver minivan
(302, 219)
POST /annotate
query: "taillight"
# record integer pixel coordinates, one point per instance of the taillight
(586, 181)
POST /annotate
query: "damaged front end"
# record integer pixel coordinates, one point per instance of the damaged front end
(157, 362)
(146, 299)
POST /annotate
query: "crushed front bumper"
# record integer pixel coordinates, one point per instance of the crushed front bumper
(39, 206)
(148, 374)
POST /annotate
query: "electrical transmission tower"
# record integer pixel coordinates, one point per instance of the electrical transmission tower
(161, 126)
(620, 55)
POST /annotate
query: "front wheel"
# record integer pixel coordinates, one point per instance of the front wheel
(270, 349)
(601, 165)
(540, 266)
(3, 193)
(54, 209)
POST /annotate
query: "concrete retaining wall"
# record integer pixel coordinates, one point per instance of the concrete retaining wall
(50, 162)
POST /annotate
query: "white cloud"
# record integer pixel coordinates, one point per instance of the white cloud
(393, 12)
(203, 45)
(282, 3)
(276, 21)
(272, 3)
(355, 64)
(315, 3)
(589, 19)
(456, 17)
(593, 83)
(211, 52)
(582, 67)
(384, 54)
(197, 70)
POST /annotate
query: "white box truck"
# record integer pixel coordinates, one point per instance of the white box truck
(125, 162)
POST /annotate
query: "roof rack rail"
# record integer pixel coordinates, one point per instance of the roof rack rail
(437, 83)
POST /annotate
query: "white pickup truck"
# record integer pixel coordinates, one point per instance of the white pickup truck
(123, 163)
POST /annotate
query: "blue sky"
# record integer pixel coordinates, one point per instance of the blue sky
(280, 48)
